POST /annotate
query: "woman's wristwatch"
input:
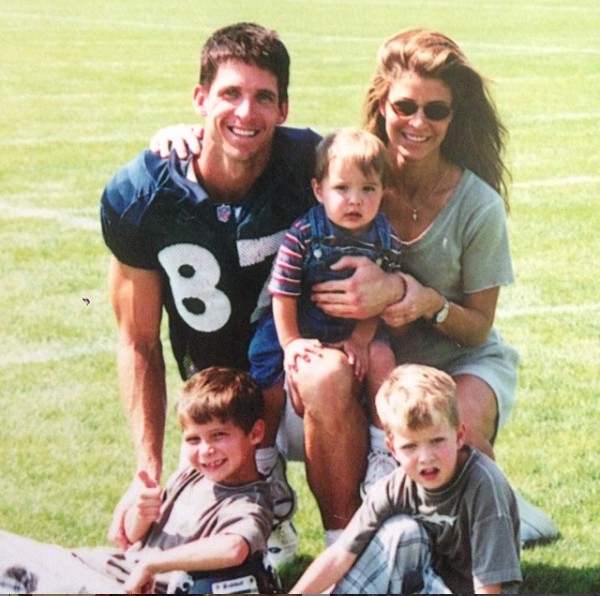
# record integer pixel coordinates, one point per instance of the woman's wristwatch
(442, 314)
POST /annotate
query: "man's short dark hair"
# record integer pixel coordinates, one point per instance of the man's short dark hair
(249, 43)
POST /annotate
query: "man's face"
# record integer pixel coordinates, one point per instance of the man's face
(241, 111)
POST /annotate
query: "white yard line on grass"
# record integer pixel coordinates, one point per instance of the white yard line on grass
(549, 182)
(73, 221)
(57, 352)
(80, 222)
(52, 353)
(558, 309)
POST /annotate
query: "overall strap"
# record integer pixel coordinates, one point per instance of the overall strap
(383, 231)
(319, 227)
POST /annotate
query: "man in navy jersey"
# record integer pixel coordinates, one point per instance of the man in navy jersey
(198, 237)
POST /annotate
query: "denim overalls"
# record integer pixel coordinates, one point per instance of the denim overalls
(328, 245)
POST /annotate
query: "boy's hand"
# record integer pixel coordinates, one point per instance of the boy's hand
(141, 580)
(358, 356)
(300, 348)
(149, 499)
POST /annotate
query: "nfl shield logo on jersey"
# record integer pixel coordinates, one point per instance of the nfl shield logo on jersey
(224, 213)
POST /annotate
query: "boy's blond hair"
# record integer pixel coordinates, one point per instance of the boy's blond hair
(414, 397)
(359, 147)
(224, 394)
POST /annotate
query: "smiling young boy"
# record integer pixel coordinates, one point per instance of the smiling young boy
(445, 521)
(212, 519)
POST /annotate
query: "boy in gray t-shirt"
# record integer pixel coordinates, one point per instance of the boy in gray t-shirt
(445, 521)
(212, 520)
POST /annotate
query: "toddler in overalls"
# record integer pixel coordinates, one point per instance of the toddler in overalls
(350, 178)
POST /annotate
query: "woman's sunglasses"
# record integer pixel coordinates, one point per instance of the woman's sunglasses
(434, 110)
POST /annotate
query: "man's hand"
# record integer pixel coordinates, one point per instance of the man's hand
(363, 295)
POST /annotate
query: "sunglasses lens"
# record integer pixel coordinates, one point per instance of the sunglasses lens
(405, 107)
(437, 110)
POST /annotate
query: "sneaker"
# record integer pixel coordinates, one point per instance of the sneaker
(282, 543)
(379, 464)
(283, 495)
(536, 527)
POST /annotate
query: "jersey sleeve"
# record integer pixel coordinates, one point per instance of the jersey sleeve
(123, 205)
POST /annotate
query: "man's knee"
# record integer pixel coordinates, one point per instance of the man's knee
(324, 383)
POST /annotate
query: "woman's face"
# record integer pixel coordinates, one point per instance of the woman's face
(419, 135)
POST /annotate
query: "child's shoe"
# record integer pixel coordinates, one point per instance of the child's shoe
(379, 464)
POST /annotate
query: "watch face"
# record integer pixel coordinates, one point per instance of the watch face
(442, 314)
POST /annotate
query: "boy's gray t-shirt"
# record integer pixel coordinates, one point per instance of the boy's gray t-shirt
(473, 523)
(194, 507)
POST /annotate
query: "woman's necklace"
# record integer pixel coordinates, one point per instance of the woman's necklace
(415, 210)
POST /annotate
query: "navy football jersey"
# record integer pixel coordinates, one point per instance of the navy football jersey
(214, 259)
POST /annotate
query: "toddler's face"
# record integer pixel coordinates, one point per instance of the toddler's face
(351, 198)
(429, 456)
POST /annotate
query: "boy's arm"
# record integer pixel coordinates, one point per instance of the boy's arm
(285, 314)
(364, 331)
(325, 571)
(205, 554)
(491, 589)
(356, 347)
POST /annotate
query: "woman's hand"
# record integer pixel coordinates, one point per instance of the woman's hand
(468, 322)
(365, 294)
(415, 304)
(184, 138)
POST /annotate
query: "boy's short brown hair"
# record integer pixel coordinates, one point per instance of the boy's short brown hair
(222, 393)
(357, 146)
(414, 397)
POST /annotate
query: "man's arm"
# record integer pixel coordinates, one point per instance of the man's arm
(205, 554)
(136, 297)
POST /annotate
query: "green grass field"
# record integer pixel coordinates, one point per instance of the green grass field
(86, 83)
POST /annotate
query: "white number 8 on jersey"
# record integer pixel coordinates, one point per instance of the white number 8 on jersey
(194, 273)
